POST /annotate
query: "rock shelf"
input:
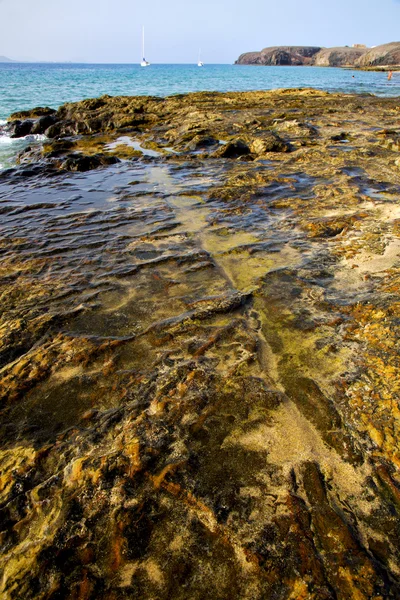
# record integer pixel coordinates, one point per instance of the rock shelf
(199, 353)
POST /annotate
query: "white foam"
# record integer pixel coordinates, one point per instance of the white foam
(9, 147)
(37, 137)
(5, 139)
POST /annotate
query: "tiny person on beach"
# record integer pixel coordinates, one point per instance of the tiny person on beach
(390, 75)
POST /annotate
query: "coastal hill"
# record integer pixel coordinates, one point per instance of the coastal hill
(357, 56)
(338, 57)
(386, 54)
(280, 55)
(5, 59)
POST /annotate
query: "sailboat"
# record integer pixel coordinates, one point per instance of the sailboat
(144, 62)
(199, 62)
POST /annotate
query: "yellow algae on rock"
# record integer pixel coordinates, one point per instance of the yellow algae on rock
(199, 352)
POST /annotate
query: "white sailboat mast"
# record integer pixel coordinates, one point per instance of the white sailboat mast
(143, 62)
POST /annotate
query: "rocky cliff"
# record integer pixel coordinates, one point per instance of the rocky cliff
(280, 55)
(338, 57)
(380, 56)
(386, 54)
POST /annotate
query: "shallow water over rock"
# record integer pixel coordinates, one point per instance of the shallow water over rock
(199, 375)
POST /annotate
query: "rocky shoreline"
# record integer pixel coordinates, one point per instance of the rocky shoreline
(199, 353)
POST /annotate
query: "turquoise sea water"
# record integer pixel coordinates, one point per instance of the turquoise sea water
(24, 86)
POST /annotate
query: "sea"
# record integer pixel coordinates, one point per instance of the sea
(26, 85)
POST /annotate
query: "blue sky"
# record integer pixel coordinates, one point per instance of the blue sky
(110, 30)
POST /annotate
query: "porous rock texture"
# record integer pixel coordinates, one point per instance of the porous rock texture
(199, 357)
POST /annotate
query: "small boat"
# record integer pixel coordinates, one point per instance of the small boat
(144, 62)
(199, 62)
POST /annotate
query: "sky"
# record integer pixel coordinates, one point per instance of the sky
(110, 30)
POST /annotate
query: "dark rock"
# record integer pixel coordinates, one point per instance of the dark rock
(232, 150)
(281, 57)
(340, 137)
(26, 171)
(54, 130)
(201, 141)
(57, 147)
(80, 162)
(93, 125)
(21, 128)
(42, 124)
(29, 154)
(77, 127)
(6, 173)
(66, 128)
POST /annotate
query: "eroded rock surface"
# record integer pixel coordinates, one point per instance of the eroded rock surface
(199, 353)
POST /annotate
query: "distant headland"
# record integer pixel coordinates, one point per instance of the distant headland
(384, 57)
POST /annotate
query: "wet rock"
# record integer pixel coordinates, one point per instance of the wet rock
(340, 137)
(270, 142)
(198, 374)
(29, 154)
(34, 113)
(333, 535)
(200, 142)
(29, 169)
(232, 149)
(56, 148)
(21, 128)
(58, 128)
(42, 124)
(80, 162)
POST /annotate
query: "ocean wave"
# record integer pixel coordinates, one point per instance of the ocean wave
(10, 147)
(5, 139)
(37, 137)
